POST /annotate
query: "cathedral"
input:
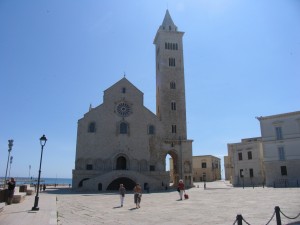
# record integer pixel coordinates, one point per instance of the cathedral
(121, 141)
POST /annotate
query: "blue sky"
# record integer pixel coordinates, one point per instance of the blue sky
(242, 60)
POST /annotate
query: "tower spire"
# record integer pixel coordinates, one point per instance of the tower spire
(168, 23)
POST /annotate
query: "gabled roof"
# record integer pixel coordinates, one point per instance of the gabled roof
(123, 81)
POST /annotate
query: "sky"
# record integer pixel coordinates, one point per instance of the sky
(241, 60)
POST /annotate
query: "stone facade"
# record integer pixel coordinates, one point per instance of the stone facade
(206, 168)
(281, 143)
(121, 141)
(245, 162)
(274, 158)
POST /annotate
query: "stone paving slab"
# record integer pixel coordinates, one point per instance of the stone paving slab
(21, 213)
(218, 204)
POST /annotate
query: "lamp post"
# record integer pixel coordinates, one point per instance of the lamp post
(43, 141)
(10, 144)
(10, 162)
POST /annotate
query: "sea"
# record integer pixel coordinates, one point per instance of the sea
(47, 181)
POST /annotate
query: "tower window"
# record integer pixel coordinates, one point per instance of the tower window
(174, 129)
(173, 85)
(172, 62)
(124, 90)
(170, 28)
(173, 106)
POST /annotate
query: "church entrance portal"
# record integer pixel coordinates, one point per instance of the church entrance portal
(121, 163)
(115, 184)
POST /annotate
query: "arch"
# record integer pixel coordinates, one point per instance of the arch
(121, 163)
(81, 182)
(99, 186)
(115, 184)
(173, 166)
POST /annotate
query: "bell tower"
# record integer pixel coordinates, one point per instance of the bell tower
(170, 99)
(170, 87)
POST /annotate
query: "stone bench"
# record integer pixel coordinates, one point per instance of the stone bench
(29, 192)
(18, 197)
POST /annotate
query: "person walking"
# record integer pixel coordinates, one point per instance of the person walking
(10, 191)
(122, 193)
(137, 195)
(181, 188)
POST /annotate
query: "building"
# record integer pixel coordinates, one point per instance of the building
(244, 164)
(206, 168)
(272, 159)
(281, 144)
(121, 141)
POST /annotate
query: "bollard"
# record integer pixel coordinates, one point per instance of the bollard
(239, 219)
(277, 211)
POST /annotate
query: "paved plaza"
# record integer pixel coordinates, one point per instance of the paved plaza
(218, 204)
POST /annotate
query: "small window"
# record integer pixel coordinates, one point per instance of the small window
(92, 127)
(278, 131)
(240, 156)
(151, 129)
(251, 172)
(203, 165)
(281, 153)
(283, 170)
(172, 85)
(173, 106)
(89, 167)
(241, 173)
(172, 62)
(152, 168)
(123, 128)
(123, 90)
(174, 129)
(170, 28)
(249, 155)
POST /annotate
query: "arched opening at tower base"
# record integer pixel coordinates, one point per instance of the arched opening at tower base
(115, 184)
(172, 167)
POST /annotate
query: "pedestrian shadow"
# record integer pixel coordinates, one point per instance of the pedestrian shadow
(117, 207)
(134, 208)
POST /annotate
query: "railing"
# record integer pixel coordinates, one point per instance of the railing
(239, 218)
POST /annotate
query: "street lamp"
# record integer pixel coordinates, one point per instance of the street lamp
(43, 141)
(10, 162)
(10, 144)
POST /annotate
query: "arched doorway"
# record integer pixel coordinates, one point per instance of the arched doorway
(121, 163)
(115, 184)
(172, 167)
